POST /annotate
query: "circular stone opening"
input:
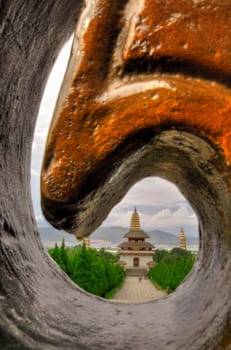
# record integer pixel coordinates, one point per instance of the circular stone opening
(196, 168)
(192, 164)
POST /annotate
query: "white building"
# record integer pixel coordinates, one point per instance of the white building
(136, 252)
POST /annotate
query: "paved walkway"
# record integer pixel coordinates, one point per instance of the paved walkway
(134, 291)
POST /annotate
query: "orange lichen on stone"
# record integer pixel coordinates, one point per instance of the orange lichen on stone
(92, 140)
(101, 110)
(197, 32)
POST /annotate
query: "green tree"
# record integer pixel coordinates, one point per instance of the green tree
(159, 254)
(180, 252)
(109, 256)
(63, 258)
(172, 268)
(93, 271)
(54, 253)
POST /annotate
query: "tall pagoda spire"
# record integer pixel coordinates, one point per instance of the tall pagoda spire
(182, 239)
(135, 222)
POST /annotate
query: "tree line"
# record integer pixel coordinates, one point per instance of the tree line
(171, 267)
(94, 271)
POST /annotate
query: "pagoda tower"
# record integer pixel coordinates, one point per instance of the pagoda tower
(136, 252)
(87, 242)
(182, 239)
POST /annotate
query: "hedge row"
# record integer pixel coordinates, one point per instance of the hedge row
(94, 271)
(172, 267)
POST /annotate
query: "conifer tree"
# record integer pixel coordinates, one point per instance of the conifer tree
(63, 258)
(54, 253)
(91, 270)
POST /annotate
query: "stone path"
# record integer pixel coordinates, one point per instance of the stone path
(134, 291)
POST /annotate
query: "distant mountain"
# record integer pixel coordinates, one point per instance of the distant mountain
(158, 237)
(114, 234)
(49, 233)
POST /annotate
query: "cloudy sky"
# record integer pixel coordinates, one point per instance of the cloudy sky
(159, 203)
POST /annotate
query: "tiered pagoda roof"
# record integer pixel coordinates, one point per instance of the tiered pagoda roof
(136, 236)
(136, 245)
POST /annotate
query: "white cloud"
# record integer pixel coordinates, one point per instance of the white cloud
(152, 190)
(163, 214)
(48, 103)
(168, 219)
(160, 205)
(34, 172)
(42, 125)
(39, 218)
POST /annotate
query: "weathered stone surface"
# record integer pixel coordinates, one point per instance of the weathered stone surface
(184, 138)
(110, 95)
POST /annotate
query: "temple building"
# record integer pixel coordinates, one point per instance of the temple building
(136, 252)
(182, 239)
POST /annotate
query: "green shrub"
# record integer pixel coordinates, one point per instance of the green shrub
(172, 268)
(93, 271)
(159, 254)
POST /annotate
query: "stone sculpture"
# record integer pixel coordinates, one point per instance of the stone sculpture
(147, 93)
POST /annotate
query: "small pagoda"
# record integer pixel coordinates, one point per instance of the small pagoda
(136, 252)
(182, 239)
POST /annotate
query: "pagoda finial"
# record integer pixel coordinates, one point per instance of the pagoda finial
(135, 221)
